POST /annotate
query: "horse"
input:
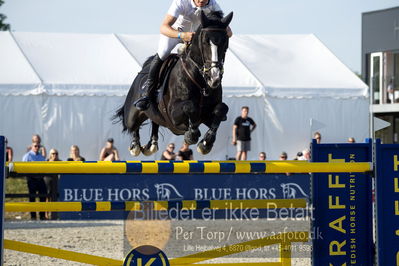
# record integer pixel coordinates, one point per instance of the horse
(190, 93)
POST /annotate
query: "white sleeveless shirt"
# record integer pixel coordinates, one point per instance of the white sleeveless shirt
(188, 15)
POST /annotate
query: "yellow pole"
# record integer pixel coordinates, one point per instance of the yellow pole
(271, 167)
(59, 253)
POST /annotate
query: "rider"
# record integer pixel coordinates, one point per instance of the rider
(183, 17)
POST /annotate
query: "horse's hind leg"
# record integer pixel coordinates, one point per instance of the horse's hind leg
(152, 146)
(219, 115)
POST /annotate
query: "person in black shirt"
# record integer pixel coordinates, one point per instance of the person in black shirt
(185, 153)
(168, 154)
(242, 128)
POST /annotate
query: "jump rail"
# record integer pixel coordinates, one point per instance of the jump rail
(165, 167)
(155, 205)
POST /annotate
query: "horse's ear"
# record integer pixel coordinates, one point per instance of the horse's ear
(204, 20)
(227, 19)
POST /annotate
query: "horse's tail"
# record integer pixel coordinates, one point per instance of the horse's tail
(119, 116)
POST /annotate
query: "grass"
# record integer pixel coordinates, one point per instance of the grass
(16, 185)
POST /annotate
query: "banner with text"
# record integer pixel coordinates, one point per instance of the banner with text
(387, 192)
(170, 187)
(342, 207)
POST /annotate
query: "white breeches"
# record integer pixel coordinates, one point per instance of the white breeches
(166, 45)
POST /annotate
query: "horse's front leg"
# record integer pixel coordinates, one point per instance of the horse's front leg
(192, 134)
(219, 115)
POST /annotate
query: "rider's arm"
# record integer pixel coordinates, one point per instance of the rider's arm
(167, 30)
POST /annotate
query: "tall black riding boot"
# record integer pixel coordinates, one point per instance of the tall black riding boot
(149, 86)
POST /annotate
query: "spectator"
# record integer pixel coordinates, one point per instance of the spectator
(169, 154)
(298, 155)
(185, 153)
(109, 152)
(9, 152)
(37, 139)
(242, 128)
(283, 156)
(35, 182)
(317, 137)
(74, 154)
(53, 157)
(51, 182)
(305, 155)
(262, 156)
(351, 140)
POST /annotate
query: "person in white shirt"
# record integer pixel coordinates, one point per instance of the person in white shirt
(179, 24)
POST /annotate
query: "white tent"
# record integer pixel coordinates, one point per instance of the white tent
(66, 87)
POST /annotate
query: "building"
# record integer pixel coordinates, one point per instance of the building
(380, 67)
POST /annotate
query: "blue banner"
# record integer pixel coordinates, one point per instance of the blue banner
(387, 192)
(342, 208)
(143, 187)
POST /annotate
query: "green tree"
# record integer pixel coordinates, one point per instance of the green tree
(3, 25)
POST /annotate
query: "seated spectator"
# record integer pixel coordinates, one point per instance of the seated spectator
(298, 155)
(35, 183)
(351, 140)
(9, 152)
(317, 137)
(74, 154)
(53, 157)
(305, 155)
(37, 139)
(51, 182)
(168, 154)
(185, 153)
(262, 156)
(283, 156)
(109, 152)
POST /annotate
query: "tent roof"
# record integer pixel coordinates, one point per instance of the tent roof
(105, 64)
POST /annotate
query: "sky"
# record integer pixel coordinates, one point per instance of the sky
(337, 23)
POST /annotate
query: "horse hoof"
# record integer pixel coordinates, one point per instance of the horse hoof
(135, 151)
(154, 148)
(191, 137)
(146, 151)
(203, 148)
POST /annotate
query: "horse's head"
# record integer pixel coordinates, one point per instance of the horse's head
(212, 41)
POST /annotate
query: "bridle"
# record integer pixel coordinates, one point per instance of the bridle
(207, 65)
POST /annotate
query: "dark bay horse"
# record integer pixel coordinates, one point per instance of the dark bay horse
(190, 95)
